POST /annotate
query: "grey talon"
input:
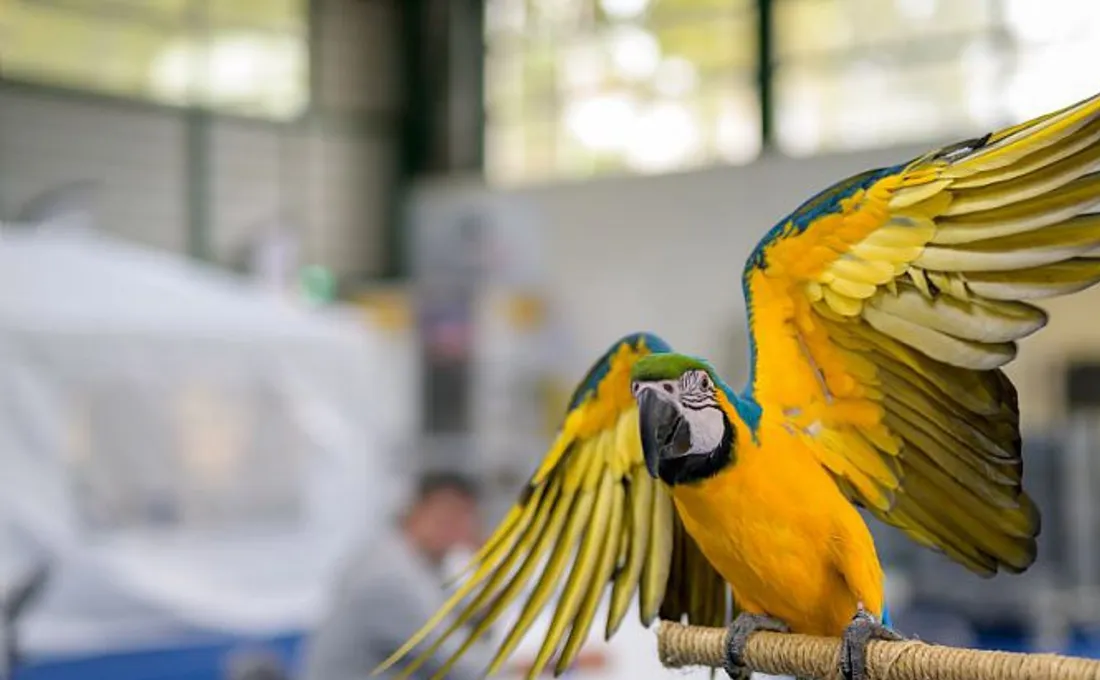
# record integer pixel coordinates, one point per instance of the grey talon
(739, 632)
(853, 651)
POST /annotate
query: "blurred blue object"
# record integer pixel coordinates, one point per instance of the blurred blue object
(1085, 642)
(937, 624)
(210, 659)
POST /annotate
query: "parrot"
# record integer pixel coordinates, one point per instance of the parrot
(881, 314)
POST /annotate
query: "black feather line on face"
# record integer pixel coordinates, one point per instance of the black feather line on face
(696, 468)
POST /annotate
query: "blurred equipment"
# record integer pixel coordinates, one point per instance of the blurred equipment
(491, 344)
(448, 281)
(194, 451)
(271, 254)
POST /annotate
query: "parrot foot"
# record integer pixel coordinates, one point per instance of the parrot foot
(853, 651)
(738, 636)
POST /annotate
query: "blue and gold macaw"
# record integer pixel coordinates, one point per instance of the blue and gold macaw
(881, 314)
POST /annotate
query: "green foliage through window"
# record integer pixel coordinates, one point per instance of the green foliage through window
(247, 57)
(576, 88)
(856, 74)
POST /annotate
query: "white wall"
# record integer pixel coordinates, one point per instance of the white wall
(666, 253)
(331, 177)
(135, 155)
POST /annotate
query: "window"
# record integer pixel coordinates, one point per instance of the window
(576, 88)
(854, 74)
(247, 57)
(1054, 47)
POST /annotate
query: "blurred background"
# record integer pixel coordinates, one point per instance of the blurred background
(264, 262)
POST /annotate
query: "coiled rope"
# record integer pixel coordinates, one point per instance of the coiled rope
(804, 656)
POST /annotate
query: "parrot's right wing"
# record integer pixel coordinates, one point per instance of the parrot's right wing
(592, 514)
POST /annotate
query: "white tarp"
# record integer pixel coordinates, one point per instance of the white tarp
(192, 453)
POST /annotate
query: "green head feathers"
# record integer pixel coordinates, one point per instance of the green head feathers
(667, 366)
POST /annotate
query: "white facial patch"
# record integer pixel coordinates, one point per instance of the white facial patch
(701, 410)
(706, 428)
(693, 395)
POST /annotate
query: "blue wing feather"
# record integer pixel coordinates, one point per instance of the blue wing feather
(824, 202)
(599, 369)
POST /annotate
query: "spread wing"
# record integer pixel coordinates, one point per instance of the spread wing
(589, 519)
(882, 310)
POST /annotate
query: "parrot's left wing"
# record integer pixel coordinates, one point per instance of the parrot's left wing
(882, 310)
(590, 519)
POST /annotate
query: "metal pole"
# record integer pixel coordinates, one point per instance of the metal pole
(197, 142)
(1081, 507)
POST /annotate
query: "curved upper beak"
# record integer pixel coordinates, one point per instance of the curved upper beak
(665, 432)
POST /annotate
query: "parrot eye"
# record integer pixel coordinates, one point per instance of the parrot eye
(704, 382)
(668, 387)
(634, 387)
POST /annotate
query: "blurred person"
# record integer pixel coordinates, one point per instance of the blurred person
(392, 584)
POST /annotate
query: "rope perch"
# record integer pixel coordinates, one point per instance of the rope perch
(804, 656)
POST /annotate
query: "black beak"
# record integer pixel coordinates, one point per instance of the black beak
(665, 433)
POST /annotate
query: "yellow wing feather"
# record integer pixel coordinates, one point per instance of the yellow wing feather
(881, 322)
(591, 519)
